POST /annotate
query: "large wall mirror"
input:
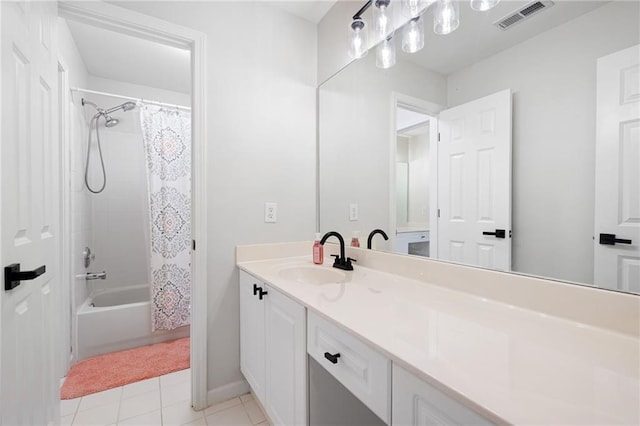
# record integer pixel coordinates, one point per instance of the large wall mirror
(514, 149)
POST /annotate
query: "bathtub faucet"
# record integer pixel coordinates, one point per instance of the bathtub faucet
(96, 275)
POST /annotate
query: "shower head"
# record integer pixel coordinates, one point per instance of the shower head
(110, 121)
(127, 106)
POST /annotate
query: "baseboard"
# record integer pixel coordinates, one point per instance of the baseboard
(226, 392)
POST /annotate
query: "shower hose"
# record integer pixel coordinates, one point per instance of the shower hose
(94, 124)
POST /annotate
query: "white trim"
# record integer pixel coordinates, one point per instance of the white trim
(66, 277)
(1, 236)
(126, 21)
(432, 110)
(228, 391)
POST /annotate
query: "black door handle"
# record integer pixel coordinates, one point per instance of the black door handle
(13, 275)
(332, 358)
(255, 289)
(610, 239)
(262, 293)
(500, 233)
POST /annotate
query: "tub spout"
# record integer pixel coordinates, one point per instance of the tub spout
(96, 275)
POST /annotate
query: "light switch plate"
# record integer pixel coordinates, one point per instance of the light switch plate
(353, 212)
(270, 212)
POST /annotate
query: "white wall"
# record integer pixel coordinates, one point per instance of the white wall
(261, 147)
(120, 214)
(553, 77)
(419, 179)
(355, 137)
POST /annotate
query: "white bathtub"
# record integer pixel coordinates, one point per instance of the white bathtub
(118, 319)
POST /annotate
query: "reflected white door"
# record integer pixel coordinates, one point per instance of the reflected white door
(474, 182)
(29, 218)
(617, 198)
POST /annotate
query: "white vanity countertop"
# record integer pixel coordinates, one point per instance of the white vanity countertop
(510, 364)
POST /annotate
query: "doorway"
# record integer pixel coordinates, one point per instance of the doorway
(163, 35)
(413, 179)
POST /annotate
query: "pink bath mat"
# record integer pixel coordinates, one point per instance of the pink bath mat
(120, 368)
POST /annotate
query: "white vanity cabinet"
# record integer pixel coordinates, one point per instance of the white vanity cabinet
(417, 403)
(273, 354)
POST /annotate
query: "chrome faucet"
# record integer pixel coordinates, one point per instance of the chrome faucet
(374, 232)
(341, 261)
(96, 275)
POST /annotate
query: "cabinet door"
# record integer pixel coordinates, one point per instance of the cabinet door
(252, 338)
(417, 403)
(286, 360)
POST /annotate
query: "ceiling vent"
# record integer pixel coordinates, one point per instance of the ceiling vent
(524, 13)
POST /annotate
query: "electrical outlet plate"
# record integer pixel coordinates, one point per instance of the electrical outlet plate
(270, 212)
(353, 212)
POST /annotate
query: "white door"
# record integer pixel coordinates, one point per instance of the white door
(474, 182)
(617, 197)
(252, 329)
(286, 356)
(29, 219)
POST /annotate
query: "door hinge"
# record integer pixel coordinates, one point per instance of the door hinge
(438, 212)
(438, 136)
(193, 245)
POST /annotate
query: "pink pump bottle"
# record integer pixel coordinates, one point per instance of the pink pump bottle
(318, 251)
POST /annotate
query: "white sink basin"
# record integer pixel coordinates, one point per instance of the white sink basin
(312, 275)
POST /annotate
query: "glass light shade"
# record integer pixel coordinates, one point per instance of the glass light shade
(386, 54)
(413, 8)
(483, 5)
(357, 39)
(413, 35)
(382, 19)
(446, 17)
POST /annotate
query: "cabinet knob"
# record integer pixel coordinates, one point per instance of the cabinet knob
(333, 359)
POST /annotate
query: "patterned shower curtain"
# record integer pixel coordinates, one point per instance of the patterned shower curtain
(167, 142)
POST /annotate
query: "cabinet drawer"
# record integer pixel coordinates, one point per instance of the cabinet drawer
(417, 403)
(362, 370)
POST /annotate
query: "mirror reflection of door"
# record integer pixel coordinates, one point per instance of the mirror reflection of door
(412, 182)
(474, 182)
(617, 170)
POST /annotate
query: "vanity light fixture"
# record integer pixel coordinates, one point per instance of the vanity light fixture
(382, 19)
(413, 35)
(413, 8)
(358, 46)
(386, 53)
(446, 17)
(483, 5)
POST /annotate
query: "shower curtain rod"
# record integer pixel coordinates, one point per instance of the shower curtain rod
(129, 98)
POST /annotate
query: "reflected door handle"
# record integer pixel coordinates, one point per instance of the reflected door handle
(499, 233)
(610, 239)
(13, 275)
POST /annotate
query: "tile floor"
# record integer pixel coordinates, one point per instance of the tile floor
(161, 401)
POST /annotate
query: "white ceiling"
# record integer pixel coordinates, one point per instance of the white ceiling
(311, 10)
(477, 38)
(406, 118)
(120, 57)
